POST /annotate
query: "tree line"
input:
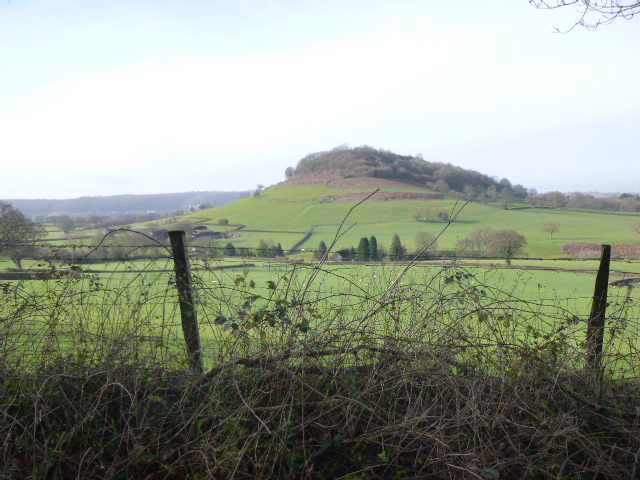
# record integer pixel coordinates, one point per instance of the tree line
(479, 242)
(626, 202)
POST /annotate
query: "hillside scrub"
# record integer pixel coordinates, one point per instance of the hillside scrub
(312, 374)
(366, 161)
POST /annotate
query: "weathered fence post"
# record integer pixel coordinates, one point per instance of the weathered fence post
(595, 328)
(187, 300)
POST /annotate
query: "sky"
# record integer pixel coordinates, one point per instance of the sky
(109, 97)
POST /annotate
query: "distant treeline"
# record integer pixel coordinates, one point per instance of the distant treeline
(622, 203)
(92, 221)
(124, 204)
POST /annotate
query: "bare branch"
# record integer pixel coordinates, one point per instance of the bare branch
(593, 13)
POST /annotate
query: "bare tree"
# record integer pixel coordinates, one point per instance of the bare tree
(593, 13)
(66, 224)
(635, 226)
(505, 243)
(475, 243)
(551, 228)
(258, 191)
(425, 241)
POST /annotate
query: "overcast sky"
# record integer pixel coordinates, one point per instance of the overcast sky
(107, 97)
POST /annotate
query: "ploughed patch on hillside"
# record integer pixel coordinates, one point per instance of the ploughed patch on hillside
(382, 196)
(334, 180)
(593, 250)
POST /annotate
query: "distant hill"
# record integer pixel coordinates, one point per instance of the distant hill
(367, 161)
(121, 204)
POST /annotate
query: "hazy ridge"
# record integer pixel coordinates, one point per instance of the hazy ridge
(119, 204)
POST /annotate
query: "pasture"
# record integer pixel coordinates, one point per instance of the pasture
(301, 208)
(138, 299)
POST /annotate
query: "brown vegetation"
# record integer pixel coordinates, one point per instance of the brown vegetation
(382, 196)
(334, 180)
(592, 250)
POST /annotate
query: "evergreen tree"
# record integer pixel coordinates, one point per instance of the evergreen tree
(396, 252)
(322, 249)
(363, 253)
(373, 249)
(263, 249)
(230, 250)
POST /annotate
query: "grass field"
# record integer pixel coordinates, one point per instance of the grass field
(300, 208)
(138, 298)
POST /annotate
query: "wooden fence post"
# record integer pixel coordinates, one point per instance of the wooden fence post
(595, 328)
(186, 300)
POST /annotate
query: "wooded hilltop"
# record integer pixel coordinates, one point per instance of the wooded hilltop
(447, 179)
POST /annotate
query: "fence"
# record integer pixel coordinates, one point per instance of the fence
(427, 368)
(133, 314)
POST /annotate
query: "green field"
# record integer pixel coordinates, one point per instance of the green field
(300, 209)
(134, 305)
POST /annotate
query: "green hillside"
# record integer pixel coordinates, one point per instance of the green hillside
(311, 205)
(284, 214)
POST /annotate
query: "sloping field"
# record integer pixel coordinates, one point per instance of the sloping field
(309, 207)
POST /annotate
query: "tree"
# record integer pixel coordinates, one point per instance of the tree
(635, 226)
(592, 13)
(442, 186)
(223, 221)
(551, 228)
(263, 249)
(258, 191)
(322, 249)
(289, 173)
(363, 252)
(373, 249)
(277, 250)
(505, 243)
(425, 241)
(555, 199)
(492, 192)
(519, 191)
(469, 192)
(17, 234)
(506, 195)
(66, 224)
(475, 243)
(577, 200)
(397, 250)
(230, 250)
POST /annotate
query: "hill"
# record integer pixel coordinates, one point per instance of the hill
(121, 204)
(310, 207)
(368, 162)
